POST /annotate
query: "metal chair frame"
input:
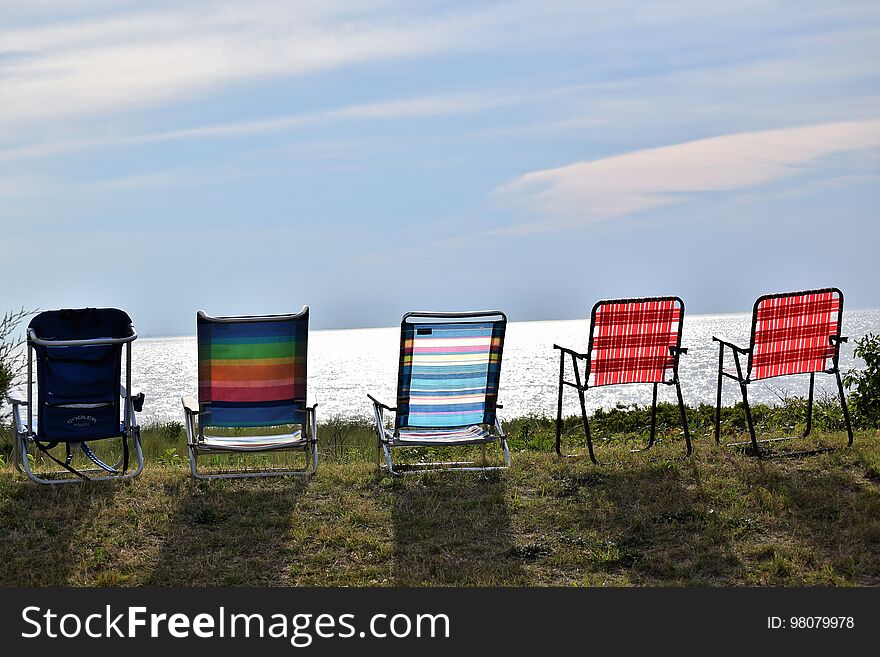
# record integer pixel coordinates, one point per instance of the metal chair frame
(386, 438)
(581, 385)
(745, 380)
(26, 433)
(195, 435)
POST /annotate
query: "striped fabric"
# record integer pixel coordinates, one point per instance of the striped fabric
(252, 373)
(792, 332)
(251, 443)
(468, 435)
(630, 340)
(449, 373)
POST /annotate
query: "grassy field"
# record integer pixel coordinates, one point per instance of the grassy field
(802, 516)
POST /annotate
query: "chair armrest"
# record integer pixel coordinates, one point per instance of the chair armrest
(729, 344)
(678, 350)
(124, 393)
(572, 352)
(16, 398)
(137, 398)
(190, 405)
(838, 339)
(376, 402)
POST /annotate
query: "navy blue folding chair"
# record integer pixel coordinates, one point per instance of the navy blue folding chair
(78, 356)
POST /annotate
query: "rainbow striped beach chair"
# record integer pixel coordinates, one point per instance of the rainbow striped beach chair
(252, 375)
(447, 388)
(792, 333)
(631, 341)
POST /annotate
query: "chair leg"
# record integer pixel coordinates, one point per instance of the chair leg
(684, 419)
(809, 426)
(653, 423)
(745, 396)
(559, 405)
(586, 426)
(388, 462)
(19, 447)
(193, 463)
(718, 397)
(849, 431)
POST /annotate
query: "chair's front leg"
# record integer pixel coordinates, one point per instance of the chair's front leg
(19, 443)
(743, 386)
(586, 426)
(559, 404)
(849, 431)
(718, 396)
(379, 416)
(684, 419)
(809, 426)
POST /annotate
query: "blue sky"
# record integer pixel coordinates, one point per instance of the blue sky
(372, 157)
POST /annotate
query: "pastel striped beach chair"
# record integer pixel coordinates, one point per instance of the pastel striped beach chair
(447, 388)
(792, 333)
(631, 341)
(252, 375)
(80, 397)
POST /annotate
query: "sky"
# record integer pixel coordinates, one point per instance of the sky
(370, 157)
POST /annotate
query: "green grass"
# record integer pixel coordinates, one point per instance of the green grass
(658, 518)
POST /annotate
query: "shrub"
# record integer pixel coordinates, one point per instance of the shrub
(864, 384)
(12, 361)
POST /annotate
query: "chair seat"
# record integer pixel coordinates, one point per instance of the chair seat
(253, 443)
(459, 436)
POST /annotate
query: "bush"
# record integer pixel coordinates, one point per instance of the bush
(12, 360)
(865, 384)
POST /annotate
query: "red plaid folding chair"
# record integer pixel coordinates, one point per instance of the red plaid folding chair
(631, 341)
(792, 333)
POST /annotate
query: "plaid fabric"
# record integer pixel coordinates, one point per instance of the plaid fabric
(449, 373)
(630, 340)
(792, 333)
(252, 373)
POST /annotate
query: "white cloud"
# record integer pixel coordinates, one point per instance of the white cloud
(86, 67)
(137, 60)
(420, 107)
(584, 192)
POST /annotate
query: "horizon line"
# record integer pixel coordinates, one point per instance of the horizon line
(519, 321)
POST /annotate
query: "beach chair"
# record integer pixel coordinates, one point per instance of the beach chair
(631, 341)
(252, 378)
(80, 398)
(792, 333)
(447, 388)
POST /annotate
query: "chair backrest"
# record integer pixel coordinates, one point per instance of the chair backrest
(631, 340)
(792, 332)
(79, 359)
(450, 366)
(252, 370)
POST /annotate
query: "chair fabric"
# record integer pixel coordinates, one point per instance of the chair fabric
(792, 333)
(449, 371)
(78, 385)
(463, 435)
(631, 339)
(252, 443)
(252, 371)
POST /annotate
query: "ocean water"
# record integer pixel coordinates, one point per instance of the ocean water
(345, 365)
